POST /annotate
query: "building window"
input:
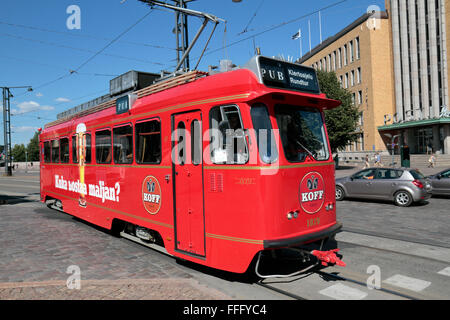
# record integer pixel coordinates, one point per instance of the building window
(329, 63)
(352, 78)
(345, 55)
(360, 97)
(350, 49)
(346, 81)
(334, 61)
(358, 75)
(339, 57)
(358, 54)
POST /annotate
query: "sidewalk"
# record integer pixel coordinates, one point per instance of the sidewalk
(130, 289)
(345, 170)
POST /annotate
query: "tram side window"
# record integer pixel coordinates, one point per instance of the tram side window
(75, 146)
(47, 152)
(264, 133)
(123, 144)
(148, 142)
(55, 151)
(64, 147)
(228, 141)
(196, 142)
(103, 152)
(74, 149)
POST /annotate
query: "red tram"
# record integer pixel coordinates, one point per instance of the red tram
(213, 168)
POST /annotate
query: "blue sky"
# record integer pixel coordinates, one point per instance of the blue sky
(39, 50)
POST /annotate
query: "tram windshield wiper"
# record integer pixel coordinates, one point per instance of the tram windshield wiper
(304, 148)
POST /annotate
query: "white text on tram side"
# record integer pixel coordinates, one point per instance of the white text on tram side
(99, 190)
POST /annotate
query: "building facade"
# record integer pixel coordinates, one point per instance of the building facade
(420, 33)
(360, 55)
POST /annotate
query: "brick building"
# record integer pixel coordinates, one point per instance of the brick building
(360, 55)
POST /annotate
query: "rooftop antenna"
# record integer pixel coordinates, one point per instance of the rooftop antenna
(181, 29)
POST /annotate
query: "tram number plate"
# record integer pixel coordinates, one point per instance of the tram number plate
(312, 222)
(122, 105)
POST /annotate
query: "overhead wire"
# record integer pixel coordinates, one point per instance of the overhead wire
(66, 33)
(113, 40)
(224, 46)
(75, 70)
(78, 49)
(251, 19)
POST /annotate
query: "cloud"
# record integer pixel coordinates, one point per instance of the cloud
(23, 129)
(29, 106)
(62, 100)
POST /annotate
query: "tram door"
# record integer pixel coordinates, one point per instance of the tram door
(187, 156)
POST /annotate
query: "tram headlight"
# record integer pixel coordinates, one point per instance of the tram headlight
(292, 214)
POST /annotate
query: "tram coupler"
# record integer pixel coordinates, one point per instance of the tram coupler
(328, 257)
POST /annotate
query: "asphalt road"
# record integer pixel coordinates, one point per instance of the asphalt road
(406, 251)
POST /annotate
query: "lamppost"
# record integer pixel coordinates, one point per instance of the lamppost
(7, 95)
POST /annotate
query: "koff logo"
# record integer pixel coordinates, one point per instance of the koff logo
(313, 183)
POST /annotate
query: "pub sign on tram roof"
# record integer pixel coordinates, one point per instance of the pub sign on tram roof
(284, 75)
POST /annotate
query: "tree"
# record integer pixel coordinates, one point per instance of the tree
(18, 152)
(33, 148)
(342, 121)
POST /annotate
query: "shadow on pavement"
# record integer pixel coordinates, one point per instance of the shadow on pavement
(5, 199)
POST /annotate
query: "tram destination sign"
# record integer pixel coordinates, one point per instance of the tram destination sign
(289, 76)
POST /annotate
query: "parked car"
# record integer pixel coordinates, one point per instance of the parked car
(401, 185)
(441, 182)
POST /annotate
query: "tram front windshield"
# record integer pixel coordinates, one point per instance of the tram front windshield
(302, 133)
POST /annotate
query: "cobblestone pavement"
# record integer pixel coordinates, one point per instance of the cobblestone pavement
(37, 246)
(138, 289)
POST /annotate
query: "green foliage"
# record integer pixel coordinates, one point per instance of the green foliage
(33, 148)
(18, 152)
(342, 121)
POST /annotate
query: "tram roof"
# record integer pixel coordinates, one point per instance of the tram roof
(196, 88)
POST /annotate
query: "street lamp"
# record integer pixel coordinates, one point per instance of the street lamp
(7, 95)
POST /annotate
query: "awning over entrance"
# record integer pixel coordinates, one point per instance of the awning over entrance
(411, 124)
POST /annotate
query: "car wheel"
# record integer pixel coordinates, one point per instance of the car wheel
(403, 198)
(340, 193)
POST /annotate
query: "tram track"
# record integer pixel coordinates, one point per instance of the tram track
(391, 251)
(363, 284)
(392, 237)
(327, 276)
(280, 291)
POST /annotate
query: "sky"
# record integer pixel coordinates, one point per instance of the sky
(44, 42)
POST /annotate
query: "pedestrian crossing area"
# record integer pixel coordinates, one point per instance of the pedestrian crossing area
(342, 291)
